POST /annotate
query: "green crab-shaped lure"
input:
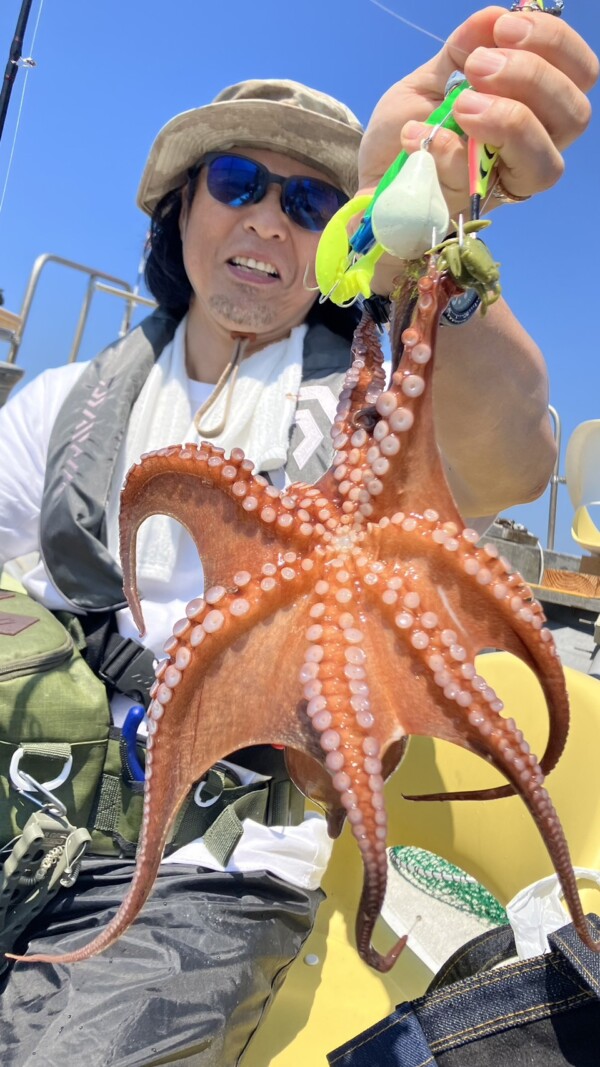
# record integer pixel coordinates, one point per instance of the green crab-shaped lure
(470, 263)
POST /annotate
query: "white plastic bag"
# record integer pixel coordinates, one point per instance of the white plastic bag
(537, 911)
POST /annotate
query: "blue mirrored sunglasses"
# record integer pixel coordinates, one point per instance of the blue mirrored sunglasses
(237, 181)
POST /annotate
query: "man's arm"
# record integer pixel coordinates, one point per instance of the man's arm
(491, 411)
(491, 389)
(25, 425)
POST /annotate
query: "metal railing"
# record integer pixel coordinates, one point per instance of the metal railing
(555, 480)
(99, 282)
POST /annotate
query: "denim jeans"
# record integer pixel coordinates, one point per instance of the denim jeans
(533, 1013)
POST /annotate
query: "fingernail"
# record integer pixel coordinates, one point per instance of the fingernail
(513, 29)
(486, 61)
(413, 132)
(472, 103)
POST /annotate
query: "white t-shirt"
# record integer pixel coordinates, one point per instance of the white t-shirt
(297, 854)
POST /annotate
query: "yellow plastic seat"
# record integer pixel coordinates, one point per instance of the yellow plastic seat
(324, 1003)
(582, 463)
(585, 529)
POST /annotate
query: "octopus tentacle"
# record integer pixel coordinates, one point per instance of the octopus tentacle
(364, 380)
(408, 477)
(154, 836)
(504, 742)
(363, 383)
(514, 621)
(340, 710)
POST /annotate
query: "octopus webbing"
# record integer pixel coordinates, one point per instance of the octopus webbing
(337, 620)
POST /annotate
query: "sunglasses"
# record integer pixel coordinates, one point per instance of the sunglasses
(237, 181)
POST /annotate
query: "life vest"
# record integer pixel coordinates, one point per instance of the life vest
(89, 430)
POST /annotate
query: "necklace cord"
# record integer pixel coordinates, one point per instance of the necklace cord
(226, 381)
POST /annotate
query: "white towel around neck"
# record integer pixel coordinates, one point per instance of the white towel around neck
(260, 418)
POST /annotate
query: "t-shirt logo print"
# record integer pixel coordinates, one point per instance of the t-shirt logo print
(314, 421)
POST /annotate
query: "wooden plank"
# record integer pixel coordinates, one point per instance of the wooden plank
(585, 585)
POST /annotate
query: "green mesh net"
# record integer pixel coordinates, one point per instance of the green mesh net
(443, 881)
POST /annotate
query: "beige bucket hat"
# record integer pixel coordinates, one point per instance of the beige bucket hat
(283, 116)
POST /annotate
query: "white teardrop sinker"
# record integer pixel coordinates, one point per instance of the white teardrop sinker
(411, 214)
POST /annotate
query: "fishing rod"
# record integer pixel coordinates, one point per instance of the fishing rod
(13, 63)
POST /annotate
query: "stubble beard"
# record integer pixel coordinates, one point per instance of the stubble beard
(249, 313)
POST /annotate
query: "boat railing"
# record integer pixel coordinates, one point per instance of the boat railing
(12, 326)
(556, 479)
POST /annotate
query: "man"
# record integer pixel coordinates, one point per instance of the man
(239, 192)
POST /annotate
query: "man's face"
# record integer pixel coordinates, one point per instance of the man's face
(247, 265)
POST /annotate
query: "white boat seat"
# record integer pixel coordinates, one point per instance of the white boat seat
(583, 482)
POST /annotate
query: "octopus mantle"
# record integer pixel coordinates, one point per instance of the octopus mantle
(337, 620)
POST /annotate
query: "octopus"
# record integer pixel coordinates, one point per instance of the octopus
(338, 620)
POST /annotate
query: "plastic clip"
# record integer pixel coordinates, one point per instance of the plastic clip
(46, 857)
(28, 785)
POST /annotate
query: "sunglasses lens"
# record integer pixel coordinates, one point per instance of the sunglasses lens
(311, 203)
(233, 180)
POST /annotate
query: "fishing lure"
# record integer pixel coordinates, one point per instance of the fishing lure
(345, 265)
(556, 8)
(470, 263)
(400, 217)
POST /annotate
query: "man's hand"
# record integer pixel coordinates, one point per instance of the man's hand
(531, 72)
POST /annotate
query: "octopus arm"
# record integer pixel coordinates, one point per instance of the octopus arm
(509, 619)
(181, 482)
(232, 668)
(424, 707)
(414, 480)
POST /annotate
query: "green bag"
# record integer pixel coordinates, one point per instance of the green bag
(47, 694)
(55, 728)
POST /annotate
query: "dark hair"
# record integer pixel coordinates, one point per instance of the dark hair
(169, 284)
(164, 272)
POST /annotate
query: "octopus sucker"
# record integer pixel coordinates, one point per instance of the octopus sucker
(337, 620)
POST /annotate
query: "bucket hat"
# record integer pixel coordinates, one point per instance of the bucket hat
(284, 116)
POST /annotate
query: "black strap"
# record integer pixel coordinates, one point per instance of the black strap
(286, 802)
(123, 664)
(97, 628)
(128, 667)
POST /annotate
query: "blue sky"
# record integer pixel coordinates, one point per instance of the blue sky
(109, 74)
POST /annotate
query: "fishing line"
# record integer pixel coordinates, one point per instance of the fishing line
(414, 25)
(14, 140)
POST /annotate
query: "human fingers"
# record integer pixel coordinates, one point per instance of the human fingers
(543, 35)
(415, 96)
(551, 39)
(531, 103)
(529, 161)
(545, 68)
(531, 110)
(562, 108)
